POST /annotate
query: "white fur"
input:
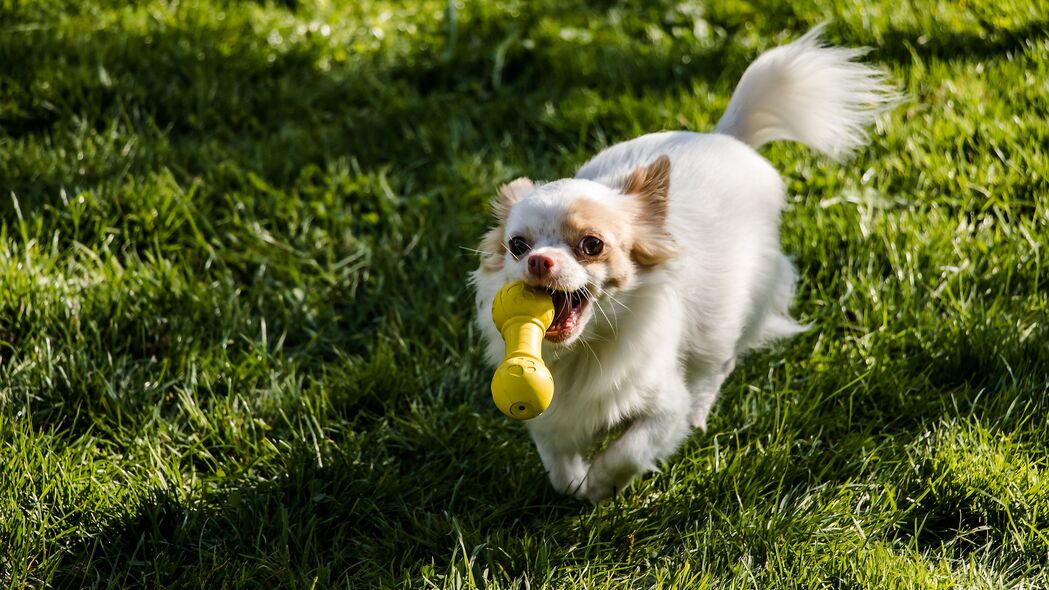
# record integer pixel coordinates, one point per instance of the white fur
(653, 355)
(808, 93)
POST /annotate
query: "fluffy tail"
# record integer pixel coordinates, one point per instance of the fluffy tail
(809, 93)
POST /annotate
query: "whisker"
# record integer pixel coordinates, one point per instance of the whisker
(614, 326)
(476, 251)
(594, 354)
(590, 297)
(615, 300)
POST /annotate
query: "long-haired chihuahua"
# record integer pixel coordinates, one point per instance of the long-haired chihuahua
(663, 259)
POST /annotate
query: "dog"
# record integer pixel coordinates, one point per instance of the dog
(663, 261)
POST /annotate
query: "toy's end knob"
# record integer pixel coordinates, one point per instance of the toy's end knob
(522, 387)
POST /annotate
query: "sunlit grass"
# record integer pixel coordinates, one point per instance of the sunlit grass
(236, 341)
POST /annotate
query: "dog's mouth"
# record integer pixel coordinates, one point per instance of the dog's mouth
(568, 310)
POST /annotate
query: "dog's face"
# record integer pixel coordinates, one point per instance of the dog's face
(580, 240)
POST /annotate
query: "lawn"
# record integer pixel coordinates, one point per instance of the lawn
(236, 340)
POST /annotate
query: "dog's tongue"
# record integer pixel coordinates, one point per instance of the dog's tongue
(567, 307)
(562, 308)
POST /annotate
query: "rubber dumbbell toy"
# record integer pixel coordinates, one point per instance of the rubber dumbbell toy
(522, 386)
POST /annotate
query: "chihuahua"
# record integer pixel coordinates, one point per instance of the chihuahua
(663, 260)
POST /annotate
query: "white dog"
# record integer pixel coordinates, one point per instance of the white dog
(662, 256)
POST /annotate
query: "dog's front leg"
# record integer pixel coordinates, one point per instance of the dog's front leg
(649, 439)
(564, 464)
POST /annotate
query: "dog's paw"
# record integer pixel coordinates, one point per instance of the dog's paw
(602, 484)
(570, 481)
(599, 493)
(576, 488)
(698, 419)
(611, 473)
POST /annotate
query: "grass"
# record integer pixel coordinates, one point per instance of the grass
(235, 334)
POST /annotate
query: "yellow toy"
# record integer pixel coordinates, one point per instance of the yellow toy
(522, 386)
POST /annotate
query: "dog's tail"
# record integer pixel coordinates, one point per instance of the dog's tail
(810, 93)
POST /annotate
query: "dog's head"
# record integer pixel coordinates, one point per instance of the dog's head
(579, 239)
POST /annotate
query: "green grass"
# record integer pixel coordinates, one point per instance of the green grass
(236, 346)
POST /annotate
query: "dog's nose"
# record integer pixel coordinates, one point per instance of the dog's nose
(540, 265)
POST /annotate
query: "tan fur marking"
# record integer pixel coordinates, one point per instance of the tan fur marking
(651, 186)
(586, 217)
(492, 246)
(492, 242)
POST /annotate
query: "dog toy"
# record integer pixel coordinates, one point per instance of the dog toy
(522, 386)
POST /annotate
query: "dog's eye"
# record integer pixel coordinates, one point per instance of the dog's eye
(591, 246)
(518, 246)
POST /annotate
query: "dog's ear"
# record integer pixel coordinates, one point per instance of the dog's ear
(492, 243)
(492, 249)
(509, 195)
(650, 185)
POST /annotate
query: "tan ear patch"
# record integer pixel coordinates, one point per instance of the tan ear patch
(492, 249)
(650, 186)
(653, 249)
(492, 243)
(509, 195)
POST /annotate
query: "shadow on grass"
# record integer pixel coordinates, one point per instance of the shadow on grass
(207, 97)
(407, 498)
(834, 435)
(350, 521)
(903, 46)
(239, 126)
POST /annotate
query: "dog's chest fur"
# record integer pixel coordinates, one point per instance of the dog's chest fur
(613, 375)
